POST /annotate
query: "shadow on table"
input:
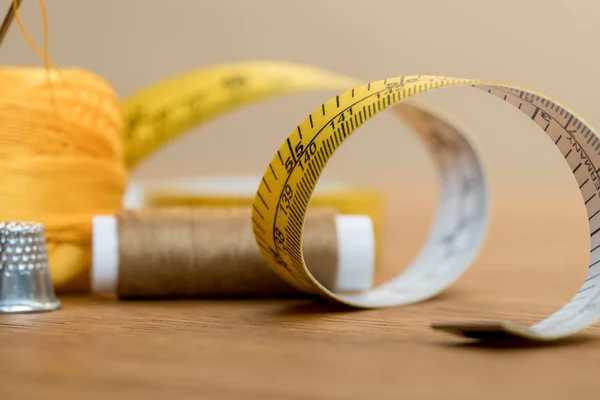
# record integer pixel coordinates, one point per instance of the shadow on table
(318, 306)
(522, 344)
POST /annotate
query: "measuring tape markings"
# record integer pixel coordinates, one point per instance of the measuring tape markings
(279, 233)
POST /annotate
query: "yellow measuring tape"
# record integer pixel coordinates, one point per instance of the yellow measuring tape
(161, 113)
(284, 194)
(164, 111)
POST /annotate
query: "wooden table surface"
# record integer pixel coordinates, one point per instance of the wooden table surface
(534, 259)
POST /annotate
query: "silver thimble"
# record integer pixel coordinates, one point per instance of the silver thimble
(25, 284)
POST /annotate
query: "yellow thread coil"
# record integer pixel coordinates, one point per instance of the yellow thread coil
(63, 160)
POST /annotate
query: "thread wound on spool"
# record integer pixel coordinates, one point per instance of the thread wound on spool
(363, 206)
(211, 252)
(61, 144)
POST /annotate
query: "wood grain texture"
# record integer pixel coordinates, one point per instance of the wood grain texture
(534, 259)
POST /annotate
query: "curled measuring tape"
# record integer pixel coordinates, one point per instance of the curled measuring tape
(283, 198)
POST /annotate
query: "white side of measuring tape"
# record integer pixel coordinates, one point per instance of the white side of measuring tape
(579, 144)
(461, 217)
(355, 240)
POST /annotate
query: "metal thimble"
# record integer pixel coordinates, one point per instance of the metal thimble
(25, 284)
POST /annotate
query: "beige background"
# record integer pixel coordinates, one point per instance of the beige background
(546, 45)
(551, 46)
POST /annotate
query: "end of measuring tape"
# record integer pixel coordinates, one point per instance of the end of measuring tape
(283, 197)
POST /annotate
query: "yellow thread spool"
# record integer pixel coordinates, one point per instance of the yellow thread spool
(61, 146)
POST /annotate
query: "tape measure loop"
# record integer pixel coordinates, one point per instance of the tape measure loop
(456, 235)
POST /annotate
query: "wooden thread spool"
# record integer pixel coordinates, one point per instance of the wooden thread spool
(211, 252)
